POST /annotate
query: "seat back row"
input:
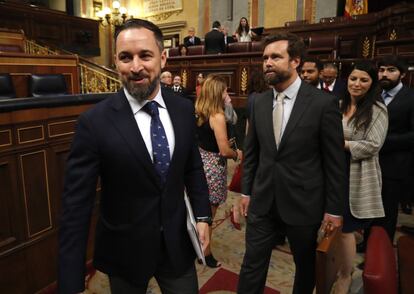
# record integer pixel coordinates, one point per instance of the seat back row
(39, 85)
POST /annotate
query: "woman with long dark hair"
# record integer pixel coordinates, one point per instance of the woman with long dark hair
(365, 124)
(243, 32)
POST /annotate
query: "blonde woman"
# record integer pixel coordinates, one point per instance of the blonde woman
(214, 144)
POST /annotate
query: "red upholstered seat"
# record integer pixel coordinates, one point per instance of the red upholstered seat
(380, 270)
(195, 50)
(238, 47)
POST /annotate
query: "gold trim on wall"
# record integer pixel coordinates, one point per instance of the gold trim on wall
(36, 61)
(25, 195)
(28, 128)
(60, 123)
(10, 138)
(244, 79)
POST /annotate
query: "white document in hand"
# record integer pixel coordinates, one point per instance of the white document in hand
(192, 230)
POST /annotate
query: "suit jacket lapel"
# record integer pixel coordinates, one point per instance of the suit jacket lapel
(299, 107)
(400, 96)
(124, 120)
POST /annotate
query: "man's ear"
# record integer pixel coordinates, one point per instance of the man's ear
(295, 61)
(163, 58)
(402, 76)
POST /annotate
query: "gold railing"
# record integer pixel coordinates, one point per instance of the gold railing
(94, 81)
(93, 77)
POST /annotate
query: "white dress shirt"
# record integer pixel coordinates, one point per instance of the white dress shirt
(143, 120)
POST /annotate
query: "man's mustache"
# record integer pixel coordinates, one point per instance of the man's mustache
(139, 76)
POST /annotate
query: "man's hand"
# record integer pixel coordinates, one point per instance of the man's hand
(244, 205)
(204, 234)
(330, 222)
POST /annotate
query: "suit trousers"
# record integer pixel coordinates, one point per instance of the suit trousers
(393, 190)
(167, 279)
(261, 234)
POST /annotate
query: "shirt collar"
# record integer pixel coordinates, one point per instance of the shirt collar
(137, 106)
(393, 91)
(292, 91)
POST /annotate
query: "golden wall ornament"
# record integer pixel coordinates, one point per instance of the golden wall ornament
(93, 81)
(366, 45)
(243, 82)
(163, 16)
(393, 35)
(184, 78)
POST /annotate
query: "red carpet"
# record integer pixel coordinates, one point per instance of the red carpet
(224, 280)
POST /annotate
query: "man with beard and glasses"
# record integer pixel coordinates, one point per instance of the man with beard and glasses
(294, 168)
(141, 143)
(396, 155)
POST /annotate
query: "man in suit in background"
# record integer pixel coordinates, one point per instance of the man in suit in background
(191, 39)
(141, 143)
(214, 40)
(179, 89)
(396, 155)
(310, 71)
(330, 82)
(294, 168)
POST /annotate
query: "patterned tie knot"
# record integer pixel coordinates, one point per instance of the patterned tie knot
(385, 95)
(151, 108)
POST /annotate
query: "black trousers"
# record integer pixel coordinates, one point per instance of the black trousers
(167, 278)
(261, 233)
(169, 283)
(392, 192)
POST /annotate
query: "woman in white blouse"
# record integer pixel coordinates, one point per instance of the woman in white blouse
(243, 32)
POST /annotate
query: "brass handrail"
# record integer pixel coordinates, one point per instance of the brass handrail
(93, 77)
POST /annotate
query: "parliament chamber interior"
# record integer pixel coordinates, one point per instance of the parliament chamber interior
(56, 61)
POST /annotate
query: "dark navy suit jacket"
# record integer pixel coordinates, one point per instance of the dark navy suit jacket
(136, 211)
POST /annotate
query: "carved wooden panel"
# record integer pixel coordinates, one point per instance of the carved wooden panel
(13, 274)
(8, 198)
(30, 134)
(61, 128)
(35, 184)
(5, 138)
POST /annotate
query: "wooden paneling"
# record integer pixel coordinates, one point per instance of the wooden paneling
(20, 66)
(79, 35)
(35, 182)
(36, 142)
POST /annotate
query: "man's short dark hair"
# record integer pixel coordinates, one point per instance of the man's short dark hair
(296, 46)
(216, 24)
(137, 23)
(318, 64)
(392, 60)
(331, 65)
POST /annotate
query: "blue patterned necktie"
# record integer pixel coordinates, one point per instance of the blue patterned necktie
(160, 148)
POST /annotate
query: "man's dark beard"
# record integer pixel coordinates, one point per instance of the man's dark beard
(277, 77)
(387, 84)
(140, 92)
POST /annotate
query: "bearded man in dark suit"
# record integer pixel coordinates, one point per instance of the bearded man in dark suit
(294, 168)
(141, 143)
(396, 156)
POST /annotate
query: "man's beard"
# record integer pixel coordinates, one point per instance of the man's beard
(277, 77)
(388, 84)
(140, 92)
(312, 82)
